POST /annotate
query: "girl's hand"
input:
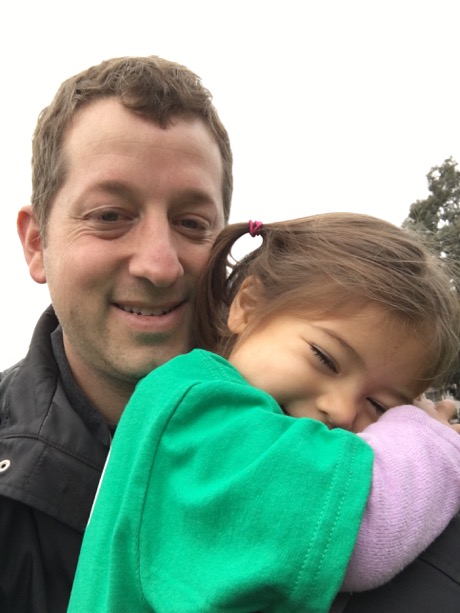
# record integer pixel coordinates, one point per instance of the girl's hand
(444, 411)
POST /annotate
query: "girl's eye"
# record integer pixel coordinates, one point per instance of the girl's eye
(380, 408)
(322, 357)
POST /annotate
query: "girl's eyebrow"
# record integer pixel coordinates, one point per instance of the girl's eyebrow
(333, 334)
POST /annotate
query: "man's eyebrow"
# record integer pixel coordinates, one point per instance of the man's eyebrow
(114, 186)
(111, 186)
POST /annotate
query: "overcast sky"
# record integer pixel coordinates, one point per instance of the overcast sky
(330, 105)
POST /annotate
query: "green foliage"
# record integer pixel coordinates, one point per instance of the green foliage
(437, 218)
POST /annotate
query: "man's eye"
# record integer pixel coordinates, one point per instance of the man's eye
(322, 357)
(109, 216)
(192, 224)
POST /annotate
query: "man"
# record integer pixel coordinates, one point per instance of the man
(132, 181)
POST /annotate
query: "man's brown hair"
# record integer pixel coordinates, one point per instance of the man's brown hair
(159, 89)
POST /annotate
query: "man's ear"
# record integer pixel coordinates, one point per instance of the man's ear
(244, 305)
(29, 233)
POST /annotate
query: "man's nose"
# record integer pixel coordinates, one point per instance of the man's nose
(156, 254)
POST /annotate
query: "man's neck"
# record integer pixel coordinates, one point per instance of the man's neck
(88, 393)
(108, 396)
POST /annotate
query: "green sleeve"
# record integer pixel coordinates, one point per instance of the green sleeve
(221, 503)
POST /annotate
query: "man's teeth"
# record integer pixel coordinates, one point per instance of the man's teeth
(147, 312)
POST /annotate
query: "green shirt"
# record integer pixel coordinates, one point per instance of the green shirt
(214, 500)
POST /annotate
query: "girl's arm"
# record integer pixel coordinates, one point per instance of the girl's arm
(415, 493)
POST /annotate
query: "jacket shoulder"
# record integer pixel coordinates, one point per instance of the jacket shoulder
(8, 371)
(430, 583)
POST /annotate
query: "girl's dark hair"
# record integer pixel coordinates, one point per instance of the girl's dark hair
(328, 265)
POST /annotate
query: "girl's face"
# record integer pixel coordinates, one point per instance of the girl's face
(344, 372)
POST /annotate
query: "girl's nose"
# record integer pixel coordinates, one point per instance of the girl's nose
(340, 411)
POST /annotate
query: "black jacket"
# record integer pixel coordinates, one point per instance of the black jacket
(431, 584)
(50, 464)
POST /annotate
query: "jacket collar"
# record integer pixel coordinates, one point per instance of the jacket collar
(54, 459)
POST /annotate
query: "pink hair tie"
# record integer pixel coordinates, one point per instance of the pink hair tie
(255, 227)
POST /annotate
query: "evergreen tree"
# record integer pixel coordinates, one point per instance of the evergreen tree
(438, 216)
(438, 219)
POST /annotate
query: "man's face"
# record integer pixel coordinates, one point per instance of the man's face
(128, 235)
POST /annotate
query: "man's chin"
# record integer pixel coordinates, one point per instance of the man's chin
(136, 371)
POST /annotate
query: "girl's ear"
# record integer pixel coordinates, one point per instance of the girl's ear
(29, 233)
(244, 305)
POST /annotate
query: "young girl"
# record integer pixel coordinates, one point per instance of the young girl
(217, 498)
